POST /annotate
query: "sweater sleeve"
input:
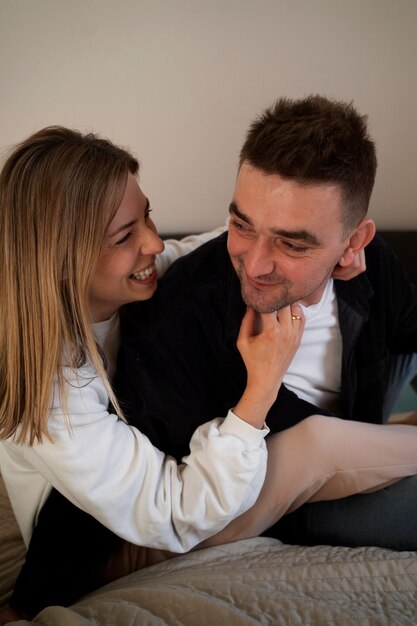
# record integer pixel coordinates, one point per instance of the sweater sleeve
(112, 471)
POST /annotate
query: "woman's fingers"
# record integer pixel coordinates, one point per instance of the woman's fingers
(271, 344)
(267, 343)
(291, 314)
(254, 323)
(247, 324)
(357, 266)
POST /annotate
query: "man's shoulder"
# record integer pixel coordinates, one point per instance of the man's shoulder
(382, 262)
(203, 263)
(383, 279)
(197, 271)
(198, 277)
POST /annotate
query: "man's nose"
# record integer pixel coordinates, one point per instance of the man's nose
(259, 259)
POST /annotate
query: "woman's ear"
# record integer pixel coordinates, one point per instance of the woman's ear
(358, 240)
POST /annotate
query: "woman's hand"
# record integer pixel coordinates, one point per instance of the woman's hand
(267, 343)
(357, 266)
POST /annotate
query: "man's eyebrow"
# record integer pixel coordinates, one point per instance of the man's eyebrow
(129, 224)
(298, 235)
(233, 209)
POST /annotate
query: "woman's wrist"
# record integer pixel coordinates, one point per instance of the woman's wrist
(254, 405)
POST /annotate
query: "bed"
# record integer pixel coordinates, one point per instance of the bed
(256, 581)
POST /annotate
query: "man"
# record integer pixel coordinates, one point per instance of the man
(298, 213)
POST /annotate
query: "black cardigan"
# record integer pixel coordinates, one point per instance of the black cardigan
(179, 365)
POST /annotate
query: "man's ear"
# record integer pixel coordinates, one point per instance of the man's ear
(358, 240)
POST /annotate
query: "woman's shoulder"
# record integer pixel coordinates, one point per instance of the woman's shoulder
(84, 396)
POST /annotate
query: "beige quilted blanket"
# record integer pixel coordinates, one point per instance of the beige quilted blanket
(257, 581)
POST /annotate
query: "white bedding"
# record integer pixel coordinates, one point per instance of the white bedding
(257, 581)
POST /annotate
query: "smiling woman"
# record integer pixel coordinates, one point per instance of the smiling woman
(125, 271)
(77, 243)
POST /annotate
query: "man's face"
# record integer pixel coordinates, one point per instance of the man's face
(284, 238)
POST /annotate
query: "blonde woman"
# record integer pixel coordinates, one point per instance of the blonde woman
(76, 244)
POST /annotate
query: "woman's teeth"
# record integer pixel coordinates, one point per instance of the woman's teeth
(144, 274)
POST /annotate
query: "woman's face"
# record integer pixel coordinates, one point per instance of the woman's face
(125, 271)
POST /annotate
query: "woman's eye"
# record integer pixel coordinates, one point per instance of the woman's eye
(147, 213)
(123, 239)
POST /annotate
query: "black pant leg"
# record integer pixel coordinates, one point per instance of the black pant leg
(386, 518)
(63, 561)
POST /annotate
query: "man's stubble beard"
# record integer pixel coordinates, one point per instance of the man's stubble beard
(264, 303)
(270, 304)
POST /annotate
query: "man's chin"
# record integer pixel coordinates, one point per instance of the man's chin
(262, 306)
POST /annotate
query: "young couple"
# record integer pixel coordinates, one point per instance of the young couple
(77, 243)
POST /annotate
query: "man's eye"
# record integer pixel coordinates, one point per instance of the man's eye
(293, 248)
(238, 225)
(122, 240)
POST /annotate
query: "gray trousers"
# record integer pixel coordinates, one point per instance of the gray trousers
(403, 371)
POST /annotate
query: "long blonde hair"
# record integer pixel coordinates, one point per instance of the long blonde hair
(59, 191)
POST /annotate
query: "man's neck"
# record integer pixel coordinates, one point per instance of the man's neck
(316, 296)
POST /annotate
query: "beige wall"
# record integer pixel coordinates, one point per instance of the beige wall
(178, 81)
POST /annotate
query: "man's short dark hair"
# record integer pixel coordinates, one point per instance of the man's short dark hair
(316, 140)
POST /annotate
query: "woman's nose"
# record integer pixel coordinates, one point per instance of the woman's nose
(152, 243)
